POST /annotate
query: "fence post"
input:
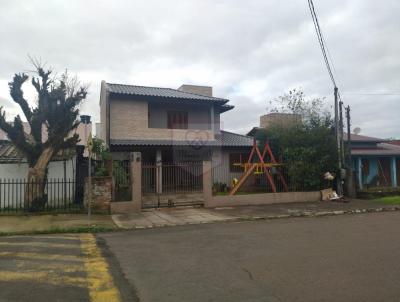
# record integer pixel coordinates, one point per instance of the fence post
(207, 182)
(136, 178)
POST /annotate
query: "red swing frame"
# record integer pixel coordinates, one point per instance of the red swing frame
(266, 167)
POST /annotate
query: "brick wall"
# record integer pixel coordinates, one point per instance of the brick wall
(129, 120)
(101, 194)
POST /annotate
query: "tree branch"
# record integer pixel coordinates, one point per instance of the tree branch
(15, 133)
(70, 142)
(18, 95)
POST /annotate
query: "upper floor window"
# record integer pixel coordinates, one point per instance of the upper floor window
(177, 120)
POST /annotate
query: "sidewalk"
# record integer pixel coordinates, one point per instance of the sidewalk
(181, 216)
(20, 224)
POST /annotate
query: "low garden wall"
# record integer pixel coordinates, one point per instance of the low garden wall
(261, 199)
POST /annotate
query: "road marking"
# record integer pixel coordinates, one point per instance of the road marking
(45, 277)
(43, 256)
(39, 244)
(63, 237)
(53, 267)
(100, 283)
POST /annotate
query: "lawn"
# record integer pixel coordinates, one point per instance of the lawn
(390, 200)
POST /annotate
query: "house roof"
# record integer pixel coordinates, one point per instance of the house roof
(394, 142)
(226, 139)
(254, 130)
(230, 139)
(382, 149)
(167, 93)
(10, 154)
(362, 138)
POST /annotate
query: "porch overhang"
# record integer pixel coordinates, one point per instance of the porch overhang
(223, 139)
(161, 142)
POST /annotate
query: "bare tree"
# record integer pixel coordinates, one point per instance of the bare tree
(57, 111)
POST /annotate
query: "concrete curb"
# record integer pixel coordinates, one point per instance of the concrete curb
(324, 213)
(300, 214)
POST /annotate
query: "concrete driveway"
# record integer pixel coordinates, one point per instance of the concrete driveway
(337, 258)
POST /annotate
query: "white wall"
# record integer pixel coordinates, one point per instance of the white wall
(12, 195)
(20, 170)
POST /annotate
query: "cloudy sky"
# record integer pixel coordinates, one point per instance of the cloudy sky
(249, 51)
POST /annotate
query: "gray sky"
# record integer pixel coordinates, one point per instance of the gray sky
(249, 51)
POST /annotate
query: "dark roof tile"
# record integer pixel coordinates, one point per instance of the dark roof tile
(362, 138)
(10, 154)
(226, 139)
(160, 92)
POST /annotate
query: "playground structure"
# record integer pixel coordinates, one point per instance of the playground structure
(259, 167)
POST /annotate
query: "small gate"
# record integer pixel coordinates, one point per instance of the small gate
(172, 184)
(122, 180)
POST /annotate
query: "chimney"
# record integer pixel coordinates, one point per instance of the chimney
(202, 90)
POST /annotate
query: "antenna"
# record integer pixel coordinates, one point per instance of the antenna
(357, 130)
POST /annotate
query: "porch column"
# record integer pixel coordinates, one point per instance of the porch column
(207, 183)
(136, 173)
(393, 171)
(158, 172)
(359, 173)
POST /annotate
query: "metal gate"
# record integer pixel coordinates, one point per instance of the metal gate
(172, 184)
(122, 180)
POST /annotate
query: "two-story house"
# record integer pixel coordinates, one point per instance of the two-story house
(170, 126)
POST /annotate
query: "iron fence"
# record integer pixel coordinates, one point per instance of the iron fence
(258, 182)
(182, 177)
(20, 195)
(185, 177)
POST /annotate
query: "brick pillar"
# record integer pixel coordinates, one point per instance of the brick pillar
(207, 182)
(136, 178)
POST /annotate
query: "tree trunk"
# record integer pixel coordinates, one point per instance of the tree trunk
(35, 199)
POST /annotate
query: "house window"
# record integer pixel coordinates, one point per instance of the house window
(177, 120)
(235, 159)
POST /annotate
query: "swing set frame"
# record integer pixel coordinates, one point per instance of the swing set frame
(259, 167)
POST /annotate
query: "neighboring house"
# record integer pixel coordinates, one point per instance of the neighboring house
(14, 166)
(376, 161)
(170, 126)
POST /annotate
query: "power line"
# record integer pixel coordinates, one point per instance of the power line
(321, 40)
(370, 93)
(338, 105)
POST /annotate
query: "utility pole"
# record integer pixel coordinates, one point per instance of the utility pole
(341, 135)
(339, 187)
(348, 136)
(350, 180)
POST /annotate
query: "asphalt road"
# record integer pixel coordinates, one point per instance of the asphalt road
(340, 258)
(58, 268)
